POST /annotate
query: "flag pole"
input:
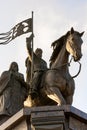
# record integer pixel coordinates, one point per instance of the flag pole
(32, 46)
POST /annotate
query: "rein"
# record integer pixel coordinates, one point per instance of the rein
(78, 71)
(69, 66)
(79, 68)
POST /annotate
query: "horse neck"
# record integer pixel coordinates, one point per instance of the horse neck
(61, 61)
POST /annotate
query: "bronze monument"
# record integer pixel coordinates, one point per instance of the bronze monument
(53, 86)
(57, 85)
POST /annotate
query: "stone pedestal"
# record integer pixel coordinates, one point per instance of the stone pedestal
(47, 118)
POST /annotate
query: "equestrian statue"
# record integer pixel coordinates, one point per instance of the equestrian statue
(56, 85)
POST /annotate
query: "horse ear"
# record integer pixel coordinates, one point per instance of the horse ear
(72, 30)
(81, 34)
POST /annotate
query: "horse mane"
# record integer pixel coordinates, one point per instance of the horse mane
(57, 45)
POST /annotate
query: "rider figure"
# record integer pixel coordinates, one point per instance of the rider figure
(39, 66)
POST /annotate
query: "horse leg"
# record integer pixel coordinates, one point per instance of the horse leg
(54, 94)
(70, 91)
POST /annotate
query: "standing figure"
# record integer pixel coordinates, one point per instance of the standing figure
(39, 67)
(13, 91)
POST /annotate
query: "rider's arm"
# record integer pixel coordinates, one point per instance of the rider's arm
(28, 45)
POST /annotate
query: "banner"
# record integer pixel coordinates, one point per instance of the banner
(19, 29)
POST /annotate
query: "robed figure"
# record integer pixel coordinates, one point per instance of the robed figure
(13, 91)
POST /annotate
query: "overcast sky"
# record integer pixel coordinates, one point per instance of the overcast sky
(52, 19)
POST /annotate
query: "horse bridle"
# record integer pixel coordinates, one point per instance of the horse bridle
(69, 66)
(79, 68)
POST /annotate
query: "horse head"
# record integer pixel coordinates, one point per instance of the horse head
(73, 44)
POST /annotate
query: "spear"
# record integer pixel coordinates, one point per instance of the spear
(32, 46)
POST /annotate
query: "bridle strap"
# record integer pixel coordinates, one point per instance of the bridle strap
(78, 71)
(63, 65)
(69, 66)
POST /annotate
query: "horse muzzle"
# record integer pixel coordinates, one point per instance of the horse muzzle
(77, 57)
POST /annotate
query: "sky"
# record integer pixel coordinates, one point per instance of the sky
(52, 19)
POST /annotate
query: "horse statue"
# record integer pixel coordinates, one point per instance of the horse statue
(57, 85)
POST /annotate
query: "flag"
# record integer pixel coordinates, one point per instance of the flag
(19, 29)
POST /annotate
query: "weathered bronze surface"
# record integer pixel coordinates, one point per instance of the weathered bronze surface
(53, 86)
(39, 67)
(13, 91)
(57, 85)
